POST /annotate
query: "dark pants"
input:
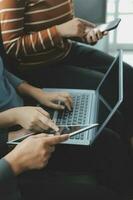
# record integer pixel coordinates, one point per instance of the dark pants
(69, 191)
(106, 161)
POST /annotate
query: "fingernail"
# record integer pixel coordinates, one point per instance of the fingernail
(62, 107)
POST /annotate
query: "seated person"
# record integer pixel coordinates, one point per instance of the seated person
(33, 153)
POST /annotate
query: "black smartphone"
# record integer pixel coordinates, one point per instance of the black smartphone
(109, 26)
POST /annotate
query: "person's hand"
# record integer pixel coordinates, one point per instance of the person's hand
(74, 28)
(33, 118)
(93, 35)
(33, 152)
(51, 99)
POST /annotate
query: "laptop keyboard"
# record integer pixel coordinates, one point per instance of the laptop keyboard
(80, 115)
(77, 115)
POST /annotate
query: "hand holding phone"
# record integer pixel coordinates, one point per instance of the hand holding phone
(109, 26)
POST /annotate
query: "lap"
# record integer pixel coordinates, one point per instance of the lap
(106, 161)
(67, 190)
(85, 56)
(62, 76)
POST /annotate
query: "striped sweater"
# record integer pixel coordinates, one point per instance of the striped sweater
(29, 30)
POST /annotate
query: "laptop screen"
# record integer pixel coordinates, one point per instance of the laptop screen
(110, 92)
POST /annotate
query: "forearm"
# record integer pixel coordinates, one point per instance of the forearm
(29, 90)
(7, 118)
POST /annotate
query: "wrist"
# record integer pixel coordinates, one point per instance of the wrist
(36, 93)
(60, 30)
(8, 118)
(14, 162)
(15, 113)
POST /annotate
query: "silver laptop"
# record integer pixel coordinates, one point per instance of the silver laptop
(90, 107)
(93, 106)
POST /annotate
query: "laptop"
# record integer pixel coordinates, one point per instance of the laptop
(92, 106)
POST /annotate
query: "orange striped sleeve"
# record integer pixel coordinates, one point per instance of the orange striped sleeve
(17, 41)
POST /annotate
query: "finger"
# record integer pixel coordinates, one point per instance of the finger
(68, 105)
(56, 106)
(49, 123)
(36, 128)
(93, 36)
(63, 97)
(65, 94)
(65, 101)
(53, 140)
(69, 97)
(99, 34)
(89, 38)
(44, 127)
(42, 111)
(70, 100)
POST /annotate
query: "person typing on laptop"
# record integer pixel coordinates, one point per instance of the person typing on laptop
(35, 151)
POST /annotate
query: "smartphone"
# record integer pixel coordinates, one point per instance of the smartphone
(75, 129)
(109, 26)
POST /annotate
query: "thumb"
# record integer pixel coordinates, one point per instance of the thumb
(56, 139)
